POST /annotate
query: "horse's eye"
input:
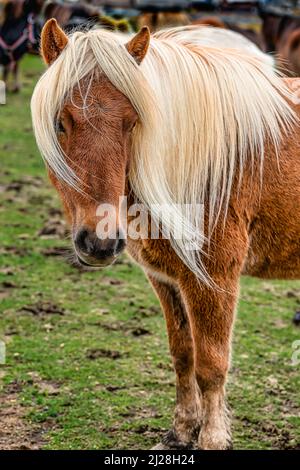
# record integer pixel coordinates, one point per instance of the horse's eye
(60, 127)
(128, 126)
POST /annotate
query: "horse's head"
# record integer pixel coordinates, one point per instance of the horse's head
(94, 131)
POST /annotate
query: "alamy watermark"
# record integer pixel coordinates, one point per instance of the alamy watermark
(2, 352)
(2, 93)
(140, 222)
(296, 353)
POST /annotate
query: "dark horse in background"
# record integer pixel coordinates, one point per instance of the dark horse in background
(19, 34)
(21, 27)
(281, 35)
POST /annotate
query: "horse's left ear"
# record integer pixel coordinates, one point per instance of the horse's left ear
(138, 45)
(53, 41)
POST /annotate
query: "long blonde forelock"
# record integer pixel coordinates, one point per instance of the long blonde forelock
(201, 113)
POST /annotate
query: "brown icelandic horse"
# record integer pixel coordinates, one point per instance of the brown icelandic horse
(117, 116)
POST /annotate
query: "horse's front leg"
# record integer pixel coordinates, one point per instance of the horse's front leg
(211, 315)
(187, 412)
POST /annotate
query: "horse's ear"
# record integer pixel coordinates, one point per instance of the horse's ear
(53, 41)
(138, 45)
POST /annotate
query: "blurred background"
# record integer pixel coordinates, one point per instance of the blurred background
(273, 26)
(86, 363)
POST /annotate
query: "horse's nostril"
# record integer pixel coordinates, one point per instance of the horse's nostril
(120, 245)
(83, 241)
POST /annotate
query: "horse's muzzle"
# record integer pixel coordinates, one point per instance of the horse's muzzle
(95, 252)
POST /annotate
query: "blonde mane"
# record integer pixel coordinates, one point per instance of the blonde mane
(202, 113)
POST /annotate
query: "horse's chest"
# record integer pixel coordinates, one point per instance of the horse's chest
(156, 257)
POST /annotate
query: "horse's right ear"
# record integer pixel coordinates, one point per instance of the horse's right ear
(138, 45)
(53, 41)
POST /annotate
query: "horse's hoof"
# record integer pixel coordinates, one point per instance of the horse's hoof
(171, 442)
(160, 446)
(215, 441)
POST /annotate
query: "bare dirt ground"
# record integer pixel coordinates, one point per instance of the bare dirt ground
(16, 432)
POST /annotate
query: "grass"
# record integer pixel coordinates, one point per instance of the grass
(87, 356)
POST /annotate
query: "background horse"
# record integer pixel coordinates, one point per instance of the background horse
(19, 34)
(281, 35)
(287, 45)
(270, 27)
(115, 118)
(163, 19)
(70, 16)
